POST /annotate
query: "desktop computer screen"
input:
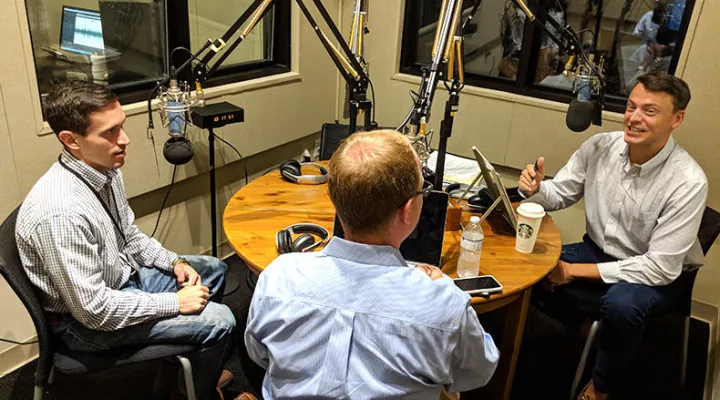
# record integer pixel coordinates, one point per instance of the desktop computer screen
(81, 31)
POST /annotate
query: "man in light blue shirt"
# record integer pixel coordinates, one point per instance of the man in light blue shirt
(354, 321)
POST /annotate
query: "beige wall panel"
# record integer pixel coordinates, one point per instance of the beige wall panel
(282, 114)
(539, 132)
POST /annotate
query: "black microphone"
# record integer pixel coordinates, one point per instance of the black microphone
(178, 150)
(583, 110)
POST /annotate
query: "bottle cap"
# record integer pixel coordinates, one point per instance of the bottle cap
(475, 219)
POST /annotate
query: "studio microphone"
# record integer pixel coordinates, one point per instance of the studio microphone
(583, 110)
(177, 150)
(175, 104)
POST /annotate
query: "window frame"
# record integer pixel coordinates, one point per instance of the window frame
(177, 29)
(524, 84)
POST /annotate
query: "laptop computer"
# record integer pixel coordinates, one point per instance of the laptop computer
(81, 31)
(425, 243)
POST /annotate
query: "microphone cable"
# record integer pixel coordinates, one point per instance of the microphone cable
(19, 343)
(162, 206)
(172, 181)
(238, 153)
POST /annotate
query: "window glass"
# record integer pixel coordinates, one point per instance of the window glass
(115, 43)
(210, 20)
(505, 51)
(633, 37)
(125, 44)
(492, 40)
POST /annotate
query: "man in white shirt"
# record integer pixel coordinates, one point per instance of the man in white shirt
(644, 200)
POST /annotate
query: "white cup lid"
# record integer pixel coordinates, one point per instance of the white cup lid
(531, 210)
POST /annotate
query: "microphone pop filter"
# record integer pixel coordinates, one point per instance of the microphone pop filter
(178, 150)
(579, 115)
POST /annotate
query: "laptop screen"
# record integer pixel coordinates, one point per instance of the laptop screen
(81, 31)
(425, 243)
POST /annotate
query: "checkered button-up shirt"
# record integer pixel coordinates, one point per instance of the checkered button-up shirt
(74, 254)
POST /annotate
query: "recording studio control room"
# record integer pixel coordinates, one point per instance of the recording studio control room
(359, 199)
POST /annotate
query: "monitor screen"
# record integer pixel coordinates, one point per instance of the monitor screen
(81, 31)
(425, 244)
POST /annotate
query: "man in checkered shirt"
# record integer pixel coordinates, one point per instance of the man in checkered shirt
(104, 283)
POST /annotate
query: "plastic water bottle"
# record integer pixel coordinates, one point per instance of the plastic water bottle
(470, 249)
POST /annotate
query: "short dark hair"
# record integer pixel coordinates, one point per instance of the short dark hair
(370, 174)
(664, 82)
(69, 104)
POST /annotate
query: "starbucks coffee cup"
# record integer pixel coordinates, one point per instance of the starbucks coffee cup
(530, 217)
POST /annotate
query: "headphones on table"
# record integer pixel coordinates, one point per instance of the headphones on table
(305, 242)
(290, 170)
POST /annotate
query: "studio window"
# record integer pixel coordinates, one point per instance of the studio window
(505, 51)
(126, 44)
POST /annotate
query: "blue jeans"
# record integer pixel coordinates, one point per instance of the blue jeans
(623, 308)
(210, 329)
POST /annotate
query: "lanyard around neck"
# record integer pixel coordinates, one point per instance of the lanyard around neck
(97, 195)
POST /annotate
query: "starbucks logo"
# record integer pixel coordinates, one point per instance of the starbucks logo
(525, 231)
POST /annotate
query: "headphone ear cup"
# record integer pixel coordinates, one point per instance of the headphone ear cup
(290, 170)
(283, 241)
(303, 242)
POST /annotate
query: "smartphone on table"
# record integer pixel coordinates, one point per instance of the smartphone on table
(483, 285)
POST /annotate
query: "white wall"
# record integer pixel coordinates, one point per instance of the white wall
(282, 113)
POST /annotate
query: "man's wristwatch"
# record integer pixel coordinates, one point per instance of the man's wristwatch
(180, 260)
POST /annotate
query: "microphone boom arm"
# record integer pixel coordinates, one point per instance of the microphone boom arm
(347, 62)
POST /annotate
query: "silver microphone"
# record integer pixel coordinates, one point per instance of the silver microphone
(583, 110)
(175, 103)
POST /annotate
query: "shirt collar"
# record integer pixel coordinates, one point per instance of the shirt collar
(95, 178)
(364, 253)
(653, 163)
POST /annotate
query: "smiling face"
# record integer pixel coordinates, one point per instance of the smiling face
(103, 147)
(650, 117)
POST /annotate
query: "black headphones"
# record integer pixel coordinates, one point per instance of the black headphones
(290, 170)
(305, 242)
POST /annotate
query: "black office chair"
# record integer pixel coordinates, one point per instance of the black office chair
(709, 230)
(54, 356)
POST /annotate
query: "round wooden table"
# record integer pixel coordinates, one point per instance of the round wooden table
(268, 204)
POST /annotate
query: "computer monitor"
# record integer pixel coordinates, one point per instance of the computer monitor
(81, 31)
(425, 244)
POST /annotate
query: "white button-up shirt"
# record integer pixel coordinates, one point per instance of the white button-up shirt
(647, 216)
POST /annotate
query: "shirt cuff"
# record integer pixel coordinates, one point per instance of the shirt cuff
(165, 259)
(522, 194)
(609, 271)
(167, 304)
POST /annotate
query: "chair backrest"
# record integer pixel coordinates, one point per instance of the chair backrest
(708, 232)
(12, 270)
(709, 229)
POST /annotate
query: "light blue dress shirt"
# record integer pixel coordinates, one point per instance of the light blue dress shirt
(354, 321)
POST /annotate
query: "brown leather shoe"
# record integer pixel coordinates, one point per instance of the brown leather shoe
(225, 378)
(245, 396)
(585, 396)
